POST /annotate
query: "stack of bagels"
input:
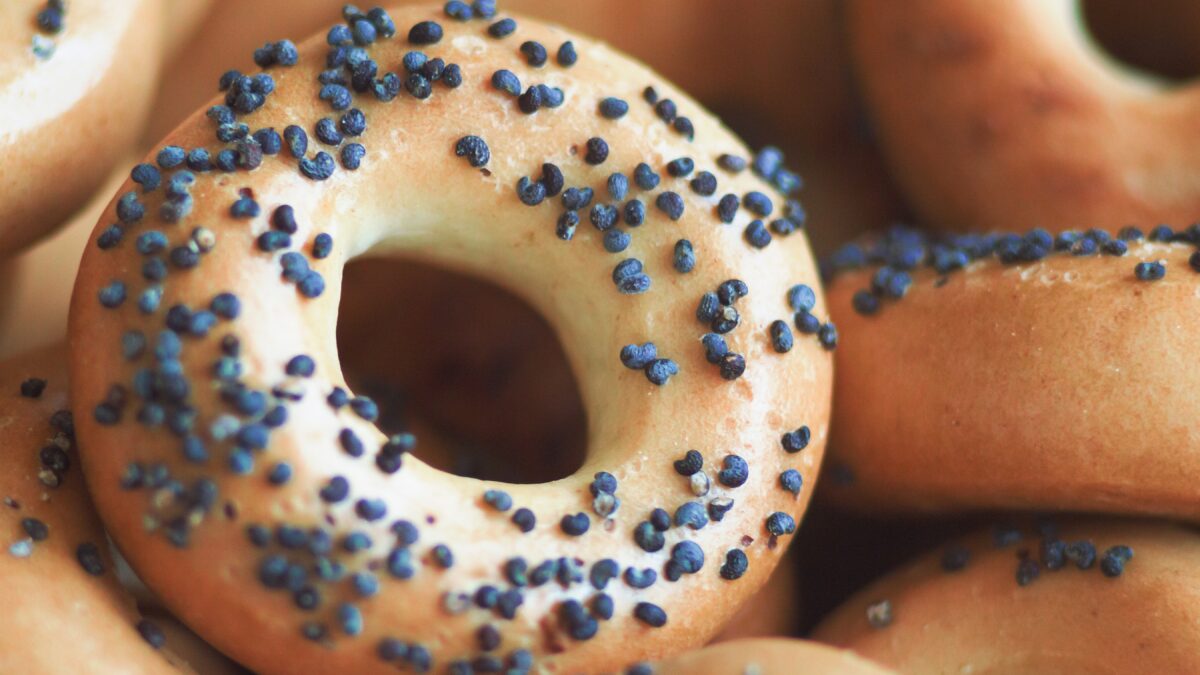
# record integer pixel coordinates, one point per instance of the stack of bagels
(463, 337)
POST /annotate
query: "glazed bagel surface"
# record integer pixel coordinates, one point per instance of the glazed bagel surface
(992, 603)
(67, 116)
(192, 403)
(1004, 116)
(1052, 383)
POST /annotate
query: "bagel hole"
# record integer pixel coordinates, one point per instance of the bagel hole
(472, 370)
(1159, 38)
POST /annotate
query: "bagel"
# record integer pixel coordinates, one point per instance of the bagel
(59, 580)
(757, 419)
(69, 112)
(763, 657)
(1017, 601)
(35, 298)
(1016, 372)
(1000, 116)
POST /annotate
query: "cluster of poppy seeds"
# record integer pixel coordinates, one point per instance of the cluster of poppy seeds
(55, 458)
(50, 20)
(1052, 554)
(900, 251)
(323, 571)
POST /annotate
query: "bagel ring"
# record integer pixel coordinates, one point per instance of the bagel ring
(1016, 372)
(1077, 597)
(59, 580)
(220, 444)
(992, 114)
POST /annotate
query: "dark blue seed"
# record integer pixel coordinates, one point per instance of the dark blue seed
(691, 463)
(507, 81)
(828, 336)
(757, 235)
(502, 28)
(524, 519)
(1028, 571)
(280, 474)
(684, 257)
(680, 168)
(535, 53)
(575, 525)
(566, 54)
(425, 33)
(1150, 271)
(352, 156)
(666, 110)
(715, 348)
(634, 212)
(576, 198)
(613, 108)
(704, 184)
(650, 614)
(671, 204)
(636, 357)
(731, 163)
(779, 524)
(597, 151)
(458, 10)
(618, 186)
(691, 514)
(781, 336)
(806, 323)
(616, 240)
(565, 226)
(320, 167)
(648, 538)
(452, 76)
(735, 565)
(795, 441)
(475, 149)
(645, 177)
(112, 295)
(661, 370)
(322, 246)
(529, 192)
(758, 203)
(735, 472)
(791, 480)
(727, 208)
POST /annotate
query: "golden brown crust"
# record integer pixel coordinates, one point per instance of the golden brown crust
(67, 118)
(980, 620)
(420, 196)
(1049, 385)
(769, 657)
(57, 617)
(1003, 116)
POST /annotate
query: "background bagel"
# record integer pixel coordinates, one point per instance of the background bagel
(34, 303)
(978, 617)
(1053, 384)
(1005, 116)
(228, 605)
(68, 117)
(49, 531)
